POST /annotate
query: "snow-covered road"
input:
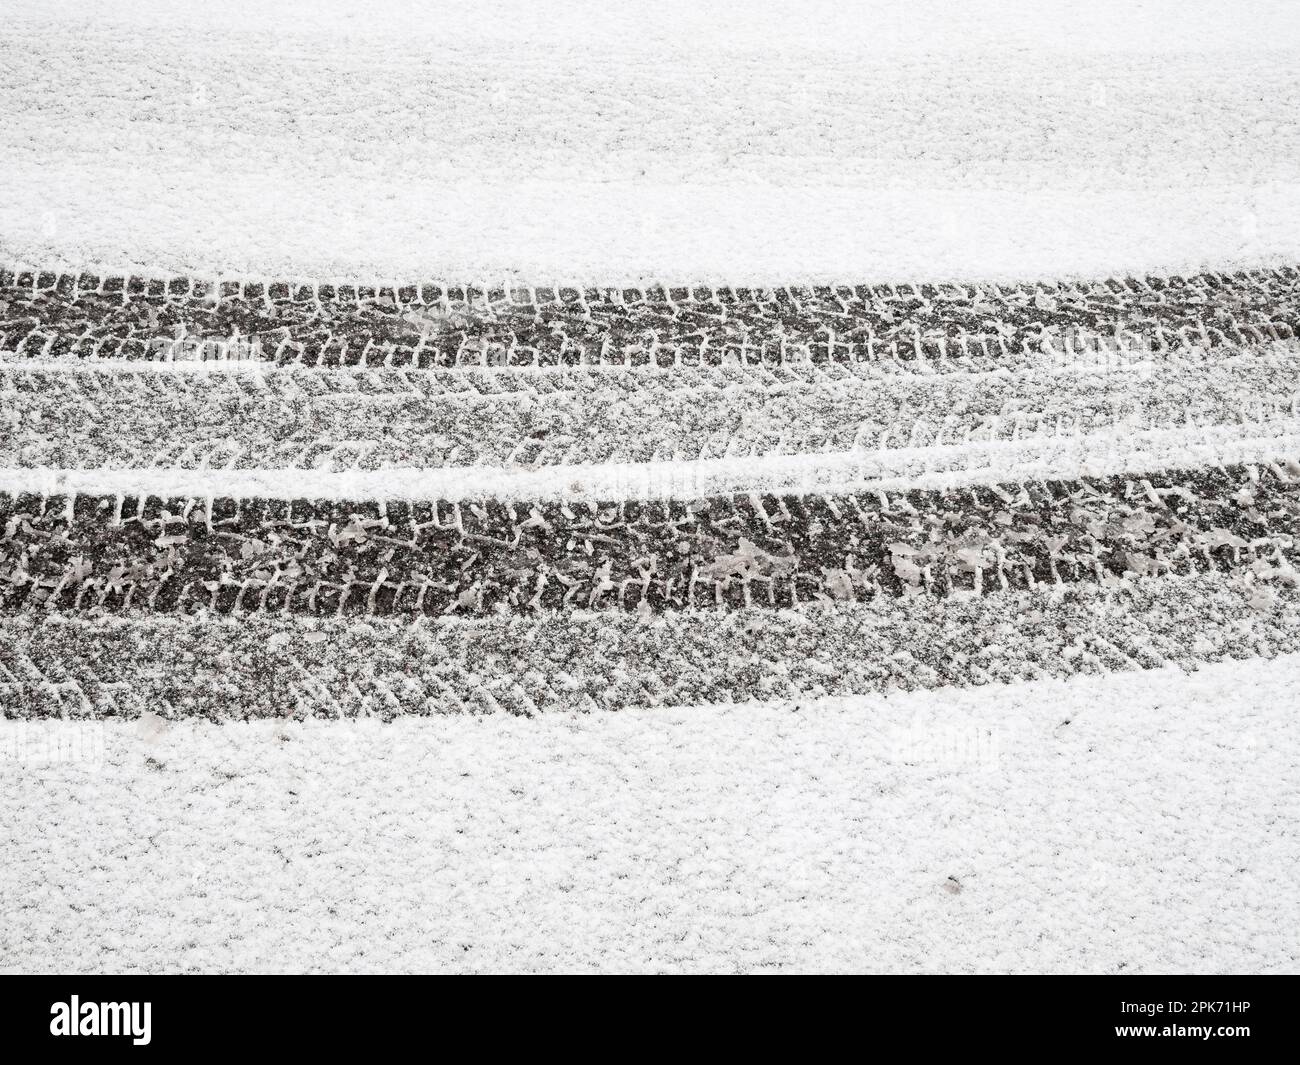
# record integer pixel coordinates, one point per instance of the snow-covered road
(803, 486)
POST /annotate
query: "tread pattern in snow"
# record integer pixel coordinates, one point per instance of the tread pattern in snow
(525, 602)
(399, 557)
(297, 419)
(51, 315)
(277, 666)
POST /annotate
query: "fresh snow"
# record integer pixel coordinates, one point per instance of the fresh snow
(1134, 822)
(776, 143)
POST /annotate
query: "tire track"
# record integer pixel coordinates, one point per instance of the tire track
(441, 557)
(284, 666)
(51, 316)
(290, 420)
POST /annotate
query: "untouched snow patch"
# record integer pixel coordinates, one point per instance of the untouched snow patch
(1125, 823)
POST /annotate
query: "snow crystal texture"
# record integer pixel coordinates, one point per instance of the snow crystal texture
(1121, 823)
(773, 142)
